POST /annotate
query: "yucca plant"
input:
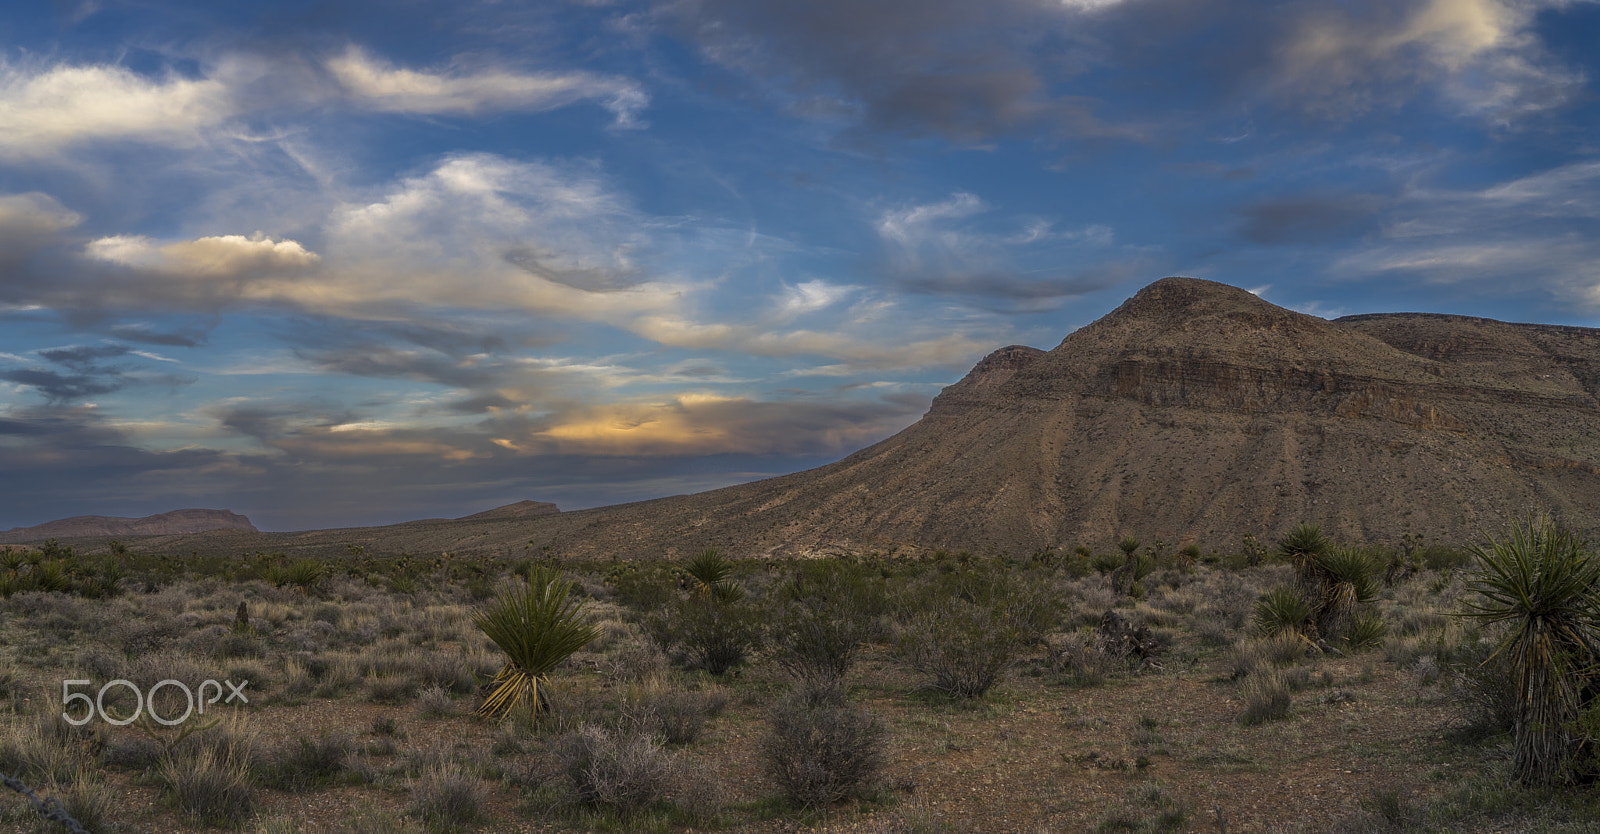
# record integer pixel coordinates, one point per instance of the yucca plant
(710, 573)
(537, 625)
(1347, 578)
(1540, 583)
(1283, 610)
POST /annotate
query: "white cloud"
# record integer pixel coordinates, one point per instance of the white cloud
(1480, 52)
(44, 112)
(378, 85)
(219, 256)
(34, 215)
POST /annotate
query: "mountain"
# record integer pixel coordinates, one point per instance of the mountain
(1194, 412)
(521, 509)
(164, 524)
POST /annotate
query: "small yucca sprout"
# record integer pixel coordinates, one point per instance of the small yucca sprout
(537, 625)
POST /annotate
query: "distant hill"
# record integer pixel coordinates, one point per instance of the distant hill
(521, 509)
(1194, 412)
(177, 522)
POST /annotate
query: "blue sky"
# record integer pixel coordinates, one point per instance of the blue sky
(330, 264)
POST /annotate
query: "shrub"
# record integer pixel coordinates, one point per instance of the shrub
(308, 762)
(1266, 698)
(538, 625)
(708, 631)
(621, 770)
(817, 636)
(819, 754)
(1282, 610)
(444, 793)
(1540, 583)
(1365, 631)
(970, 628)
(434, 702)
(211, 787)
(674, 717)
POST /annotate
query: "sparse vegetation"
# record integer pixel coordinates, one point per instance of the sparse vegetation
(868, 691)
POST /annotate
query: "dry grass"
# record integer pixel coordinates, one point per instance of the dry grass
(1060, 744)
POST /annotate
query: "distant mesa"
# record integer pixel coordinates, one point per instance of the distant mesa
(177, 522)
(521, 509)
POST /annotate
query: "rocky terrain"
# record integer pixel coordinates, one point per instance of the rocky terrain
(1194, 412)
(173, 523)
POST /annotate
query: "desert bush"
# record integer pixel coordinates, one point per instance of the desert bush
(818, 631)
(211, 787)
(626, 771)
(306, 762)
(1077, 660)
(674, 717)
(41, 749)
(966, 629)
(445, 794)
(87, 799)
(434, 702)
(820, 754)
(634, 660)
(1485, 692)
(1543, 587)
(538, 625)
(1266, 698)
(707, 631)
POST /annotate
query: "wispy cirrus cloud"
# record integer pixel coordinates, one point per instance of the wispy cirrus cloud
(376, 84)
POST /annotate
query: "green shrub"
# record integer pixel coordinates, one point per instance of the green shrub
(966, 631)
(1282, 610)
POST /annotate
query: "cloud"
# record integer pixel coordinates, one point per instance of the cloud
(29, 216)
(962, 71)
(937, 249)
(700, 424)
(1309, 218)
(1480, 54)
(146, 334)
(76, 372)
(1538, 231)
(46, 111)
(377, 85)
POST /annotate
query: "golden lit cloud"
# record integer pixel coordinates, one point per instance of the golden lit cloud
(44, 112)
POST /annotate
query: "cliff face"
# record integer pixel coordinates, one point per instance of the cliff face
(165, 524)
(1193, 412)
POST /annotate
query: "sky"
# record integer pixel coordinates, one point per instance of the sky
(341, 263)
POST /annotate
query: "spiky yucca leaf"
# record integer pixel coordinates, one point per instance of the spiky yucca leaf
(1282, 610)
(1541, 583)
(537, 625)
(1347, 578)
